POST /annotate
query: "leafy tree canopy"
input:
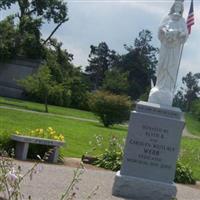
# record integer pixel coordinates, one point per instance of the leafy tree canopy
(189, 92)
(30, 17)
(192, 90)
(116, 82)
(101, 58)
(139, 63)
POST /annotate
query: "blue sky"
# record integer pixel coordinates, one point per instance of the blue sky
(118, 22)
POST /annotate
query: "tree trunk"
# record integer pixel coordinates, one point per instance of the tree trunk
(46, 103)
(55, 29)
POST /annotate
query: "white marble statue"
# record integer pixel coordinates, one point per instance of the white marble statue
(172, 35)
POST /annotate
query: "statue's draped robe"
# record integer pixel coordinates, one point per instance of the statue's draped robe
(170, 52)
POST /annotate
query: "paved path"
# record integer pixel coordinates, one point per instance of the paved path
(48, 114)
(52, 181)
(187, 134)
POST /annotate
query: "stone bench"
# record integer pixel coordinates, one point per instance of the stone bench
(22, 146)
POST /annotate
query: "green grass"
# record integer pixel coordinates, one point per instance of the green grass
(77, 133)
(16, 103)
(193, 125)
(190, 155)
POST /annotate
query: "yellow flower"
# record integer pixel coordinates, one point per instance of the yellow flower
(17, 132)
(49, 129)
(55, 137)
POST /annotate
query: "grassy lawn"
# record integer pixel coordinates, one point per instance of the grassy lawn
(193, 125)
(16, 103)
(190, 155)
(77, 133)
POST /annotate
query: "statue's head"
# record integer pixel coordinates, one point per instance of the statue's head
(177, 8)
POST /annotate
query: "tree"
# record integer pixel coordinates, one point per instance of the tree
(79, 92)
(30, 17)
(179, 100)
(101, 58)
(8, 39)
(41, 84)
(116, 82)
(192, 88)
(49, 10)
(139, 63)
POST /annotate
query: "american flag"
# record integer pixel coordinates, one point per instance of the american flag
(190, 19)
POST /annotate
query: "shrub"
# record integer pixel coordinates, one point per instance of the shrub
(183, 174)
(112, 109)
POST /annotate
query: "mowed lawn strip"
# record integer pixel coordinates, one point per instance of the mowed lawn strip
(190, 155)
(193, 125)
(77, 133)
(27, 105)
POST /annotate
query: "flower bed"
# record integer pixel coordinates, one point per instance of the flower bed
(48, 133)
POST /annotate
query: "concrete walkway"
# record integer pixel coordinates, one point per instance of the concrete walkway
(54, 179)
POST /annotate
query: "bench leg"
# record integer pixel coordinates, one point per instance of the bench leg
(21, 150)
(54, 155)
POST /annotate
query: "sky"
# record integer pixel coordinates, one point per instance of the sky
(118, 22)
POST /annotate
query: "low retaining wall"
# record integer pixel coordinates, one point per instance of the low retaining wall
(11, 72)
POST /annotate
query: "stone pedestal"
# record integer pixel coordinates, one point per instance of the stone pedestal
(150, 154)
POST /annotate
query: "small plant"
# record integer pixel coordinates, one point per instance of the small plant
(112, 109)
(11, 177)
(183, 174)
(111, 158)
(48, 133)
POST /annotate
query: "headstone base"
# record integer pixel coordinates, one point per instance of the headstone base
(142, 189)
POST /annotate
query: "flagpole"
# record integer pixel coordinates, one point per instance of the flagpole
(190, 22)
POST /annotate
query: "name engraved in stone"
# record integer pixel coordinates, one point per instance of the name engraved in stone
(151, 152)
(154, 147)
